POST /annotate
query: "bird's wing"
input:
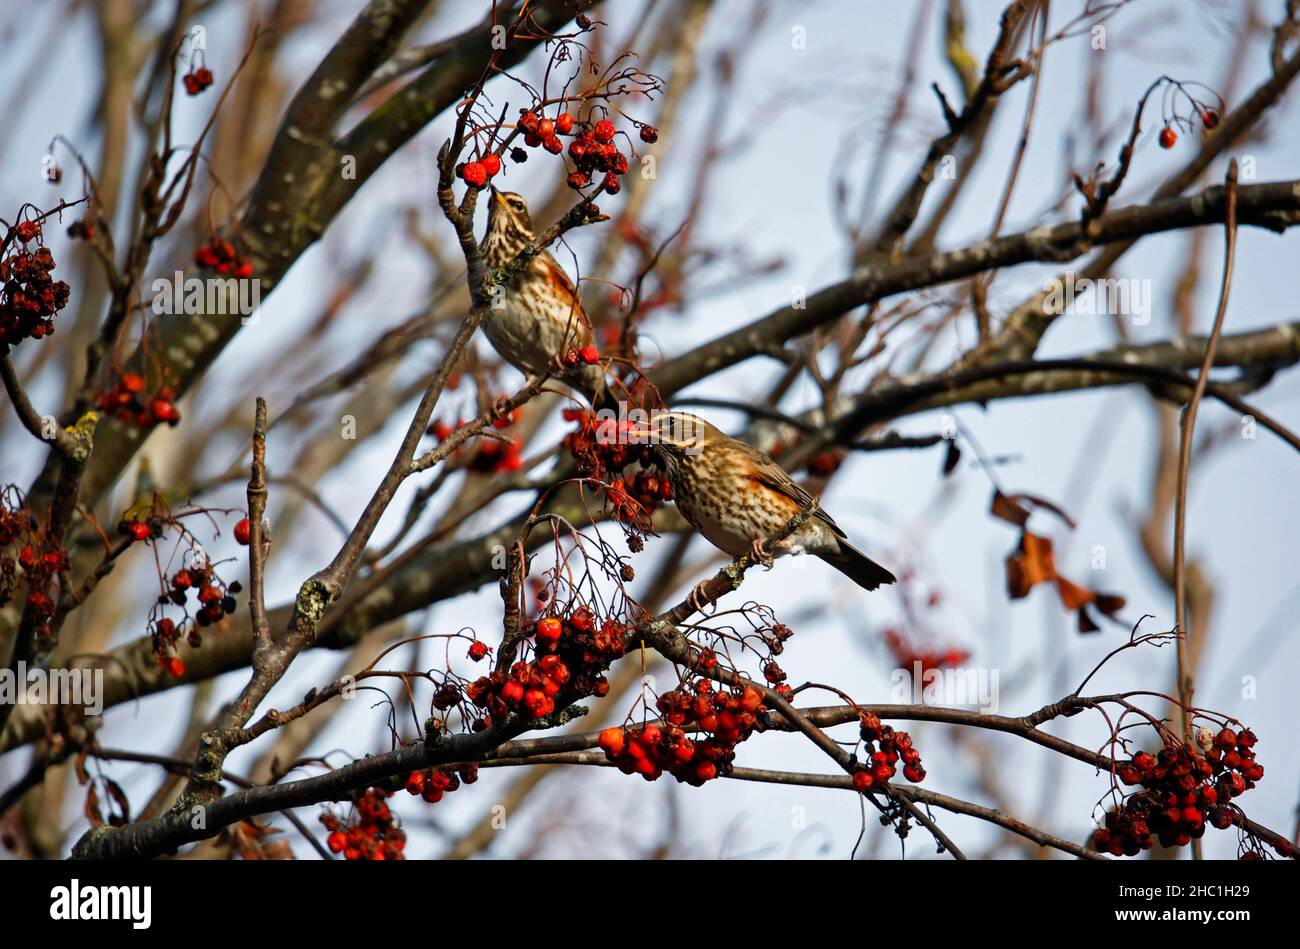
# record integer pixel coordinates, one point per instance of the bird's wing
(563, 287)
(771, 475)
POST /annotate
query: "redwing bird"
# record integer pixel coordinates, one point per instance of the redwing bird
(739, 498)
(539, 318)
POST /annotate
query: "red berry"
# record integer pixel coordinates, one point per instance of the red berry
(1167, 137)
(475, 174)
(336, 841)
(564, 123)
(1209, 118)
(491, 164)
(649, 134)
(604, 130)
(553, 145)
(590, 355)
(477, 650)
(546, 128)
(863, 781)
(139, 530)
(549, 629)
(538, 703)
(612, 184)
(243, 531)
(578, 180)
(175, 668)
(612, 741)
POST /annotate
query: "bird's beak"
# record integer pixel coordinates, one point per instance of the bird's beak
(496, 195)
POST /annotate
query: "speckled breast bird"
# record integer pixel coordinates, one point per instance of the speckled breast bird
(738, 498)
(540, 317)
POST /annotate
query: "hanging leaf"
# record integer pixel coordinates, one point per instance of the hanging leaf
(1006, 508)
(1030, 564)
(119, 798)
(1073, 596)
(91, 808)
(951, 457)
(1110, 603)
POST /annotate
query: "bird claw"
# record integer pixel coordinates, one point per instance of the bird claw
(760, 554)
(699, 598)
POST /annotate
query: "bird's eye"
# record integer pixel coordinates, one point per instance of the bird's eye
(517, 204)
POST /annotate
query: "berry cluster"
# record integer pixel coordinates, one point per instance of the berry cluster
(369, 832)
(571, 655)
(883, 747)
(1168, 137)
(196, 80)
(29, 298)
(127, 402)
(588, 355)
(726, 718)
(39, 560)
(432, 784)
(221, 256)
(907, 654)
(825, 463)
(476, 173)
(82, 230)
(603, 450)
(490, 456)
(592, 149)
(1182, 792)
(216, 600)
(594, 153)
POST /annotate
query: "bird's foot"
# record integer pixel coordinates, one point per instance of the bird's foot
(699, 598)
(760, 554)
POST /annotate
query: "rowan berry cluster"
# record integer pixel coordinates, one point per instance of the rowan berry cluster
(196, 80)
(604, 450)
(368, 832)
(221, 256)
(38, 560)
(907, 654)
(215, 600)
(127, 402)
(489, 455)
(430, 785)
(596, 157)
(571, 653)
(724, 717)
(29, 297)
(587, 355)
(1183, 790)
(883, 748)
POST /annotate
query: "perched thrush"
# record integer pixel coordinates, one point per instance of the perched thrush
(740, 499)
(539, 318)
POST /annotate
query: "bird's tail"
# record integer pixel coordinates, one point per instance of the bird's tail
(858, 567)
